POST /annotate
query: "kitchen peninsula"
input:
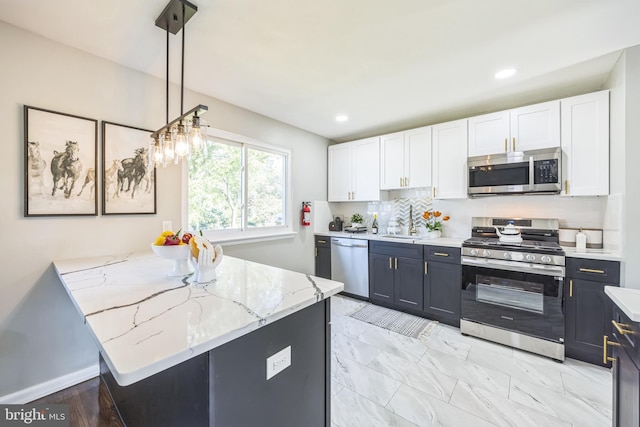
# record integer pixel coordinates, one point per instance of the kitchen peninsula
(177, 353)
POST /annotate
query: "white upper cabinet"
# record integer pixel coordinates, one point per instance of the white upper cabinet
(521, 129)
(450, 160)
(585, 144)
(405, 159)
(354, 171)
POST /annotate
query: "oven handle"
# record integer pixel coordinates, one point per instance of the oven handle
(545, 270)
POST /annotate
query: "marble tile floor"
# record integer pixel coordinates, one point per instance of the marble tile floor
(380, 378)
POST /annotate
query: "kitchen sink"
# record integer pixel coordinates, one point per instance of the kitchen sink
(400, 236)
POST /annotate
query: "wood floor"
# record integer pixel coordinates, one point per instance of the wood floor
(90, 404)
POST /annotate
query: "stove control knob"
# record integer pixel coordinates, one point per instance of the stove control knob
(546, 259)
(530, 257)
(474, 252)
(506, 255)
(486, 253)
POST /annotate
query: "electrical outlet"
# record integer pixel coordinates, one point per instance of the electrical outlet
(167, 226)
(278, 362)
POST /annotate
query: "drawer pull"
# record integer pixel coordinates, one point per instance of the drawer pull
(440, 254)
(322, 241)
(591, 270)
(605, 357)
(396, 263)
(425, 268)
(622, 328)
(390, 267)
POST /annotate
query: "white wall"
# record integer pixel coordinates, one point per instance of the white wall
(41, 335)
(631, 208)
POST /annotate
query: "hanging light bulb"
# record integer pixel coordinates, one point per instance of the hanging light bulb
(195, 134)
(168, 152)
(182, 145)
(153, 147)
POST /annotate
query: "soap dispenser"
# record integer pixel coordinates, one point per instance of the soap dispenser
(581, 241)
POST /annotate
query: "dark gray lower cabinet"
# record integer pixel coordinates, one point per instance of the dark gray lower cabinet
(624, 346)
(323, 257)
(588, 312)
(395, 275)
(381, 278)
(408, 278)
(626, 382)
(442, 284)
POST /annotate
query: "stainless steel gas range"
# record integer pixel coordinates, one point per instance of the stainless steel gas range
(512, 284)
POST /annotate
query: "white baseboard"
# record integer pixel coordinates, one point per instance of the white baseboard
(37, 391)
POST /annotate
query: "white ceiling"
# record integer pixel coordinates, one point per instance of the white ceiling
(388, 65)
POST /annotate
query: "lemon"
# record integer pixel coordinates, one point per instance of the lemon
(167, 233)
(159, 241)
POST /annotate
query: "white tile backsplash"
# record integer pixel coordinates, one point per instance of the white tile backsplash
(572, 212)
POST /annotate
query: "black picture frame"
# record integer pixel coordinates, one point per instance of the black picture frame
(128, 181)
(60, 163)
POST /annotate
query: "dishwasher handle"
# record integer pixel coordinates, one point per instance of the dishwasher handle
(338, 242)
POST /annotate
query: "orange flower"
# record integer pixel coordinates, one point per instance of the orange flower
(437, 214)
(426, 215)
(446, 218)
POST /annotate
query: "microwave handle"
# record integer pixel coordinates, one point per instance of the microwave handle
(532, 173)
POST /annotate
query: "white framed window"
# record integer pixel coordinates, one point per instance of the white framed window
(238, 189)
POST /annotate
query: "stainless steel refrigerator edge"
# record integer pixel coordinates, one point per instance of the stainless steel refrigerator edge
(350, 265)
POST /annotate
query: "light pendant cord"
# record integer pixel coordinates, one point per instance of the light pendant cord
(182, 72)
(167, 89)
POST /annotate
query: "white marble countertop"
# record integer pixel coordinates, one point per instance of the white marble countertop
(145, 321)
(627, 299)
(603, 254)
(440, 241)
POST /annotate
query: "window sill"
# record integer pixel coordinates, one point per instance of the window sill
(242, 238)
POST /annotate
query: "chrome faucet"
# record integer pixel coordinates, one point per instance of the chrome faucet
(412, 228)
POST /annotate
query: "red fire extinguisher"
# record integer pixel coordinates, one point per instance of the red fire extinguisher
(306, 214)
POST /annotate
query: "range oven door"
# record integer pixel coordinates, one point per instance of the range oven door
(523, 302)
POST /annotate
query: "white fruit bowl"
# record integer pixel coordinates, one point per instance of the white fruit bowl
(179, 254)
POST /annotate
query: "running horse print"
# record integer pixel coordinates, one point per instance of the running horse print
(66, 168)
(133, 170)
(35, 165)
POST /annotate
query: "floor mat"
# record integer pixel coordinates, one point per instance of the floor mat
(396, 321)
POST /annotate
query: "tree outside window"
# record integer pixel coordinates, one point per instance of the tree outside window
(237, 186)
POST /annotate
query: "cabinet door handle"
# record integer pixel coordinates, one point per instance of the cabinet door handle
(620, 327)
(390, 266)
(570, 288)
(513, 144)
(590, 270)
(316, 251)
(406, 181)
(400, 181)
(440, 254)
(396, 263)
(566, 186)
(506, 141)
(605, 357)
(434, 192)
(425, 268)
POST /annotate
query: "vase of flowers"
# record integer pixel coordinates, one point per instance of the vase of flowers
(356, 220)
(433, 221)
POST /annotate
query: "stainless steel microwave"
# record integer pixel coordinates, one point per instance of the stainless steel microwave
(534, 171)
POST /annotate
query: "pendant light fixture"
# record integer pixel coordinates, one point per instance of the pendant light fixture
(177, 139)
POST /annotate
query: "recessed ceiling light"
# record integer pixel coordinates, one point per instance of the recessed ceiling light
(342, 118)
(503, 74)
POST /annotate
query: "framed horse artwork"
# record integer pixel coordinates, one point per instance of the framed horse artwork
(60, 155)
(128, 179)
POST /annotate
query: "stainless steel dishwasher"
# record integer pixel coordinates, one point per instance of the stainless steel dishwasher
(350, 265)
